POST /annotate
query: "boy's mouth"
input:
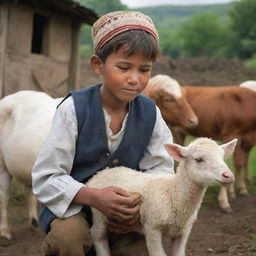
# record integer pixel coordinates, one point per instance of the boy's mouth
(130, 90)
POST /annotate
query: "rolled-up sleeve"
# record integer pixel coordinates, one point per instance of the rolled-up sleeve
(51, 180)
(156, 159)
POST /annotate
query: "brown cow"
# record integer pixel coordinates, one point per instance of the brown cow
(170, 99)
(248, 141)
(224, 113)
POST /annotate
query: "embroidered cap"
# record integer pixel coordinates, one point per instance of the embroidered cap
(114, 23)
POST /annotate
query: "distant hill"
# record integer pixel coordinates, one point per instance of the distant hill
(172, 16)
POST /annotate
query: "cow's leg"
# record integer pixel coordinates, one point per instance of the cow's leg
(5, 181)
(239, 159)
(231, 191)
(247, 176)
(32, 209)
(223, 200)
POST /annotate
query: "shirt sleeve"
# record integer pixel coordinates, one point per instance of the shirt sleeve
(52, 183)
(156, 159)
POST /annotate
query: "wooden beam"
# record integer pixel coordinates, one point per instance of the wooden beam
(74, 65)
(4, 18)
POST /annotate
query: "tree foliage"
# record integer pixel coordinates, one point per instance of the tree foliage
(104, 6)
(203, 35)
(243, 25)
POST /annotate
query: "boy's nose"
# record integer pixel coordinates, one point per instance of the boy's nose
(133, 78)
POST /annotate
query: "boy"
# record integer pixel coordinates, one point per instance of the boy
(105, 125)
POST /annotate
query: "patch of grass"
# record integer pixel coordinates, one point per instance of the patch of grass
(18, 192)
(16, 220)
(251, 63)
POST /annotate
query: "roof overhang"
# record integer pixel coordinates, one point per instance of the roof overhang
(67, 8)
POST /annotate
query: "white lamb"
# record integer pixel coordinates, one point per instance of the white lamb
(169, 202)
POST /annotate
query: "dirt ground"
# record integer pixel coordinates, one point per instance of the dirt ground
(214, 233)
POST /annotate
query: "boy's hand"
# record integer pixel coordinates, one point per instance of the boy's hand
(117, 226)
(120, 207)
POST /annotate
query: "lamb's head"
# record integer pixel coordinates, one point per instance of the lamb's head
(203, 161)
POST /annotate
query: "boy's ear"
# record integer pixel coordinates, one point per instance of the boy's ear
(96, 64)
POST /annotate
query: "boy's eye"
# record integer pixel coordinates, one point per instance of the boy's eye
(144, 70)
(123, 68)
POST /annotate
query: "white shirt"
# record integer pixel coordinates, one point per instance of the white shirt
(51, 178)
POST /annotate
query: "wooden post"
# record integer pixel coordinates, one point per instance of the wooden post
(4, 14)
(74, 65)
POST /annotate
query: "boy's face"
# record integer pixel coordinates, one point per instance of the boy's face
(124, 77)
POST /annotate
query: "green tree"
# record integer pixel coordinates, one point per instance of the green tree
(243, 25)
(203, 35)
(100, 7)
(104, 6)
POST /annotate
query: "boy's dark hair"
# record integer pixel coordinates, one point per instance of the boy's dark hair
(132, 41)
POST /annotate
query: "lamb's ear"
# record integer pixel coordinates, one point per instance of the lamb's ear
(229, 148)
(176, 151)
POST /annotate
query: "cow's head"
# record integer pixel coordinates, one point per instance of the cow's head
(171, 100)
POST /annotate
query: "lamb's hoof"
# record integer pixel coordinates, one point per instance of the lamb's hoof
(34, 224)
(4, 241)
(226, 209)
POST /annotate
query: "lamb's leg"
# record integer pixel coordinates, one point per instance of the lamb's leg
(5, 181)
(32, 209)
(154, 242)
(179, 243)
(99, 235)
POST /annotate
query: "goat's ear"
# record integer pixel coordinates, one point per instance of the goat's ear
(176, 151)
(229, 148)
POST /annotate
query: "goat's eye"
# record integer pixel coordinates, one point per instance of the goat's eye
(199, 160)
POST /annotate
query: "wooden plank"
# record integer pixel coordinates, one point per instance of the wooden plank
(74, 66)
(4, 17)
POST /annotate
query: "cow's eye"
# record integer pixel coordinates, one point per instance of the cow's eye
(199, 160)
(168, 100)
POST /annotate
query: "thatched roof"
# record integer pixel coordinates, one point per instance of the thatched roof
(68, 8)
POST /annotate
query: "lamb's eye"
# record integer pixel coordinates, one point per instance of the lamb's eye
(199, 160)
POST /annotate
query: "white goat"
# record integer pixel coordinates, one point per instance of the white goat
(250, 84)
(25, 120)
(169, 202)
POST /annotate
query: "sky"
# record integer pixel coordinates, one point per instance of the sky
(143, 3)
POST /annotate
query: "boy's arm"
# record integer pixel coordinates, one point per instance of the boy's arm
(51, 178)
(156, 159)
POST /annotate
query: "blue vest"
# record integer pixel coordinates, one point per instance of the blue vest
(92, 153)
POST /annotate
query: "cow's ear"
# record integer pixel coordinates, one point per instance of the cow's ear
(176, 151)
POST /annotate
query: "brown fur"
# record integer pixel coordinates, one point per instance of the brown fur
(175, 110)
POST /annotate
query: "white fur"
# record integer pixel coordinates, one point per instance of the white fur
(25, 120)
(169, 202)
(167, 83)
(250, 84)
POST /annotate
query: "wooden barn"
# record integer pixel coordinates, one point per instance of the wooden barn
(39, 45)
